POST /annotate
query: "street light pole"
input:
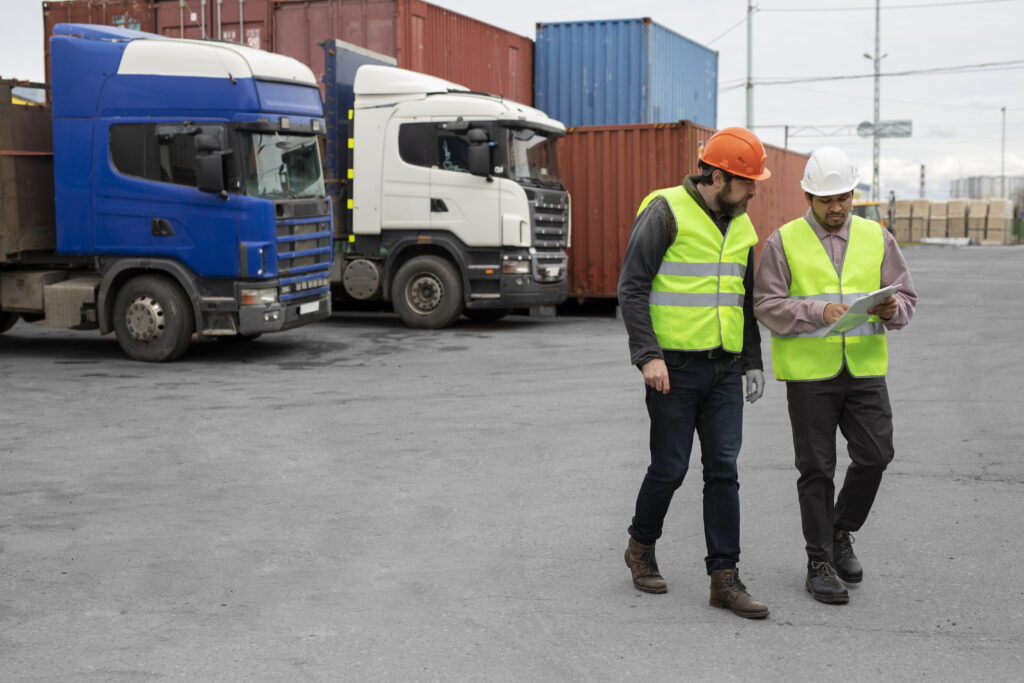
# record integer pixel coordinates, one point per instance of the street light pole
(750, 64)
(878, 64)
(1002, 172)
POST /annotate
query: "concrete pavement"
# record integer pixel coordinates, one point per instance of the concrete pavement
(363, 502)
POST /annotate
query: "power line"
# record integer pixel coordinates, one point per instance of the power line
(965, 68)
(858, 9)
(727, 31)
(945, 105)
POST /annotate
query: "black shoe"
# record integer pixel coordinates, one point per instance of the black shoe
(823, 585)
(847, 566)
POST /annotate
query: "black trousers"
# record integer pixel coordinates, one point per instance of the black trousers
(860, 408)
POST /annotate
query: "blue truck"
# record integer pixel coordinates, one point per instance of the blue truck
(174, 189)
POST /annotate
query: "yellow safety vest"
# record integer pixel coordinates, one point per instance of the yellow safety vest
(805, 357)
(697, 296)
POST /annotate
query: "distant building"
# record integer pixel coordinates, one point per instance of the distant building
(985, 187)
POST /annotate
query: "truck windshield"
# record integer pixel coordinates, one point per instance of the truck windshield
(533, 158)
(283, 166)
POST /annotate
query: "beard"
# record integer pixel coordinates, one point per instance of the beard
(730, 208)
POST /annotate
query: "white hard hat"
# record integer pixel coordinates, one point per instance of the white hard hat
(829, 171)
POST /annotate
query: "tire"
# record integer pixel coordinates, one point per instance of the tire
(153, 319)
(427, 293)
(486, 315)
(7, 321)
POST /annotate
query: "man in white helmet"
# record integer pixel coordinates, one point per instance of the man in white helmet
(811, 270)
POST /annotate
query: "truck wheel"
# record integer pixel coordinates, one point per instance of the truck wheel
(427, 293)
(7, 321)
(153, 319)
(486, 315)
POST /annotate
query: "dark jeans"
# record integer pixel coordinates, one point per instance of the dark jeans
(707, 396)
(861, 410)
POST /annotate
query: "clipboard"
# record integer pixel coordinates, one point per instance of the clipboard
(857, 313)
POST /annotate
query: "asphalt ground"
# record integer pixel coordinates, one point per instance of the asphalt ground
(358, 501)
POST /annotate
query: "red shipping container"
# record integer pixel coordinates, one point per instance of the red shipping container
(608, 170)
(238, 21)
(421, 36)
(138, 15)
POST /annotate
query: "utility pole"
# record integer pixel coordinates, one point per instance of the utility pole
(922, 181)
(750, 64)
(1002, 172)
(878, 68)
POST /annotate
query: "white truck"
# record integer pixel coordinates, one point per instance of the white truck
(447, 201)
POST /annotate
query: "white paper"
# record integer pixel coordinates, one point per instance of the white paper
(857, 313)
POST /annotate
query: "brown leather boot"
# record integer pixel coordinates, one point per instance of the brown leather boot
(641, 562)
(729, 592)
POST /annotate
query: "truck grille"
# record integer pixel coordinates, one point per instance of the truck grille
(549, 215)
(304, 253)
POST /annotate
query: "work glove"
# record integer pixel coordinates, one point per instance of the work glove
(755, 385)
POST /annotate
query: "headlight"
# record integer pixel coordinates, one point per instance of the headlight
(258, 296)
(515, 267)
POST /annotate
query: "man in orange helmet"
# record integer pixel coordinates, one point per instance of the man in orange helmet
(685, 295)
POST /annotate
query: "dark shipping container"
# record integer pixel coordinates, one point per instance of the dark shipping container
(608, 170)
(623, 71)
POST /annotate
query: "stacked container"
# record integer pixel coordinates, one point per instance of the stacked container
(977, 215)
(938, 214)
(624, 71)
(999, 228)
(421, 36)
(901, 220)
(137, 15)
(957, 218)
(919, 213)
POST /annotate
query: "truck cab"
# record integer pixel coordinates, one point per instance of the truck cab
(455, 200)
(189, 193)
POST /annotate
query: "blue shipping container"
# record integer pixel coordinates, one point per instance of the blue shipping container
(623, 71)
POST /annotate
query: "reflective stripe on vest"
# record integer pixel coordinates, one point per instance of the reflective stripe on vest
(697, 296)
(803, 357)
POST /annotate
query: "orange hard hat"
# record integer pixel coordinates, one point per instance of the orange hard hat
(737, 151)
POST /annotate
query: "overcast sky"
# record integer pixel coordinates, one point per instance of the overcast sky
(957, 122)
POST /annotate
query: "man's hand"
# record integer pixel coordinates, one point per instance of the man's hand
(885, 310)
(656, 374)
(834, 312)
(755, 385)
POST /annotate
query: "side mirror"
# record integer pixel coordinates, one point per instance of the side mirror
(210, 173)
(480, 161)
(209, 163)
